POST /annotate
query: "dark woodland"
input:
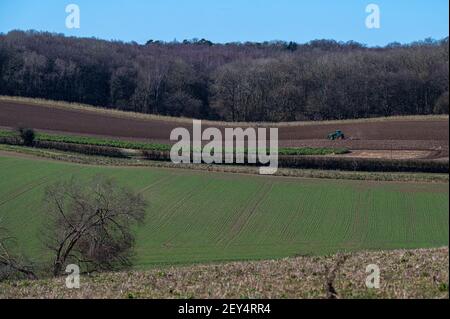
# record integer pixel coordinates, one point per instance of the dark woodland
(270, 81)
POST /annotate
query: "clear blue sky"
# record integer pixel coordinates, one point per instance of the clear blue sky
(233, 20)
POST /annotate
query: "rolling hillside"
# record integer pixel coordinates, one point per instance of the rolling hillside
(203, 217)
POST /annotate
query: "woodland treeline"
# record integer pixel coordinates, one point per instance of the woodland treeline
(270, 81)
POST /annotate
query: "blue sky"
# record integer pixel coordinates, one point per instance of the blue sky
(233, 20)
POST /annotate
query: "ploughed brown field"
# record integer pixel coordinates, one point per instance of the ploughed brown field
(427, 138)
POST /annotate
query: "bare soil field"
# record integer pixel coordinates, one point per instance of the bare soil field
(394, 154)
(409, 134)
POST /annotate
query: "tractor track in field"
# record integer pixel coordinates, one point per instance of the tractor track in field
(192, 218)
(23, 189)
(297, 215)
(159, 181)
(30, 186)
(171, 209)
(245, 216)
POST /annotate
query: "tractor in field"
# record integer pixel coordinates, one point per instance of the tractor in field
(336, 135)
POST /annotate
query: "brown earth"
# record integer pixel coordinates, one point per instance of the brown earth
(413, 135)
(394, 154)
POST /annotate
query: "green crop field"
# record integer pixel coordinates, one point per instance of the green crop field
(96, 141)
(202, 217)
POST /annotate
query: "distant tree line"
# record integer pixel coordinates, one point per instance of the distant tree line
(270, 81)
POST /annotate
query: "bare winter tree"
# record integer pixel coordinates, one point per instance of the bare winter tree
(11, 265)
(90, 223)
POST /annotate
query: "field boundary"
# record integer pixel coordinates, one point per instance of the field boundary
(284, 161)
(81, 159)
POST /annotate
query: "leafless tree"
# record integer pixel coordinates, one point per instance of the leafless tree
(11, 265)
(90, 223)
